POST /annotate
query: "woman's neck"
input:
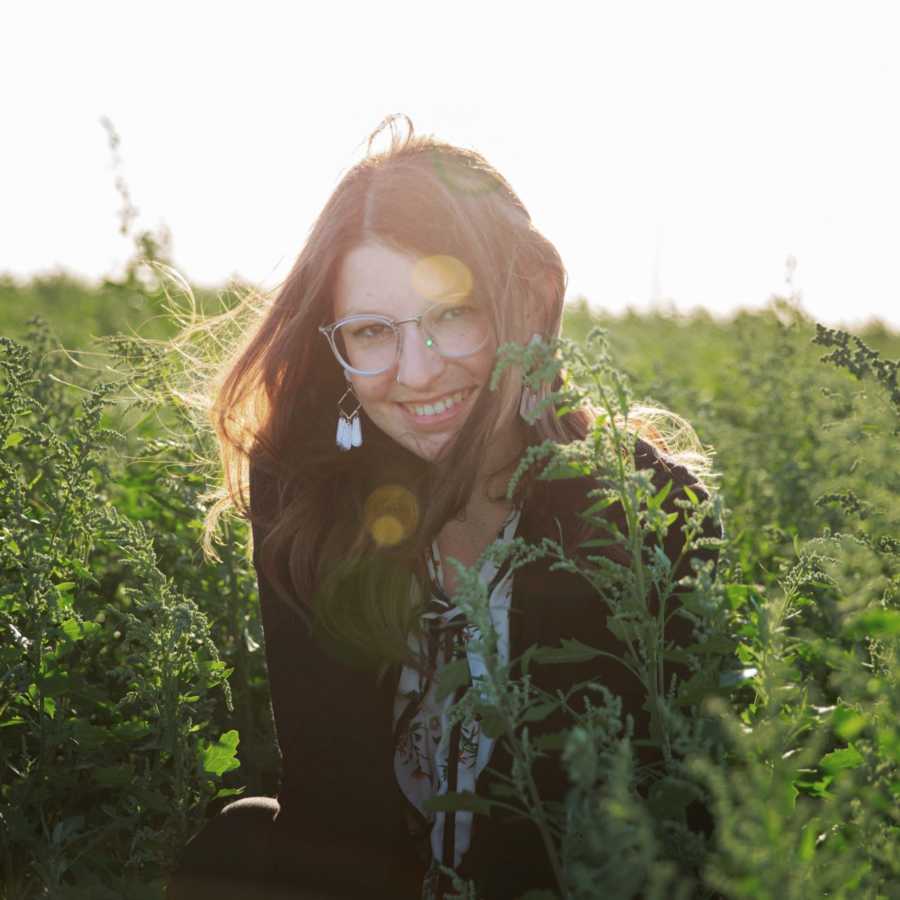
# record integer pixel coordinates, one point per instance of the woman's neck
(466, 536)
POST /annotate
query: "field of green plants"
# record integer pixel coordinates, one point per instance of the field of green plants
(133, 695)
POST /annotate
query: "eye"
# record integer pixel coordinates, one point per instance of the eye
(458, 311)
(369, 331)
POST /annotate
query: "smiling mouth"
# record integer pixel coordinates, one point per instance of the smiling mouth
(439, 407)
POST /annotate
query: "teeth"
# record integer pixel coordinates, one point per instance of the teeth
(433, 409)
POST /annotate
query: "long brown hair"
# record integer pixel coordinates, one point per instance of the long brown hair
(274, 405)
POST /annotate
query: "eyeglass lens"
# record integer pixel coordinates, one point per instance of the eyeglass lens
(373, 345)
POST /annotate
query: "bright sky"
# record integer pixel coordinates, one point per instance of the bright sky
(672, 151)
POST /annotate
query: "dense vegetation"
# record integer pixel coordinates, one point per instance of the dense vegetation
(133, 698)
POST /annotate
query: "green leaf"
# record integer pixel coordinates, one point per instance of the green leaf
(599, 506)
(876, 623)
(526, 657)
(461, 801)
(691, 495)
(624, 631)
(539, 711)
(570, 651)
(88, 735)
(845, 758)
(220, 757)
(229, 792)
(737, 595)
(656, 501)
(491, 724)
(71, 628)
(718, 643)
(454, 675)
(847, 723)
(889, 744)
(13, 440)
(15, 720)
(790, 796)
(700, 685)
(563, 470)
(817, 788)
(76, 629)
(130, 731)
(555, 740)
(668, 798)
(55, 684)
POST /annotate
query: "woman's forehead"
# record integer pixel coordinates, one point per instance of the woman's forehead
(373, 277)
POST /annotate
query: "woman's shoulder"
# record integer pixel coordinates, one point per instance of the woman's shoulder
(665, 468)
(573, 494)
(555, 507)
(265, 488)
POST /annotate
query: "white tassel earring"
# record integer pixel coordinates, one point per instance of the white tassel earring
(527, 404)
(530, 399)
(349, 428)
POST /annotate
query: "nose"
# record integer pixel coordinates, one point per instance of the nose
(419, 364)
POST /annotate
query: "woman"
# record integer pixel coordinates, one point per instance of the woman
(361, 408)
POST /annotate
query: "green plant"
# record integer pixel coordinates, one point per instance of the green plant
(107, 746)
(796, 751)
(119, 640)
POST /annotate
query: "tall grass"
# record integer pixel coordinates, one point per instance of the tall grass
(132, 683)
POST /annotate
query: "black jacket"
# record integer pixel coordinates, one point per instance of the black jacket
(334, 724)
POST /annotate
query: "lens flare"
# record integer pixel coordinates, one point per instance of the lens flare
(442, 278)
(391, 514)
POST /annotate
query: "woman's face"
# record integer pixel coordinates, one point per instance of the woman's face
(423, 401)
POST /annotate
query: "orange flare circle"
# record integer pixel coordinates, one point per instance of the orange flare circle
(391, 514)
(441, 277)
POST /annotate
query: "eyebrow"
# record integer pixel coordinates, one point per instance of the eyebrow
(442, 298)
(363, 312)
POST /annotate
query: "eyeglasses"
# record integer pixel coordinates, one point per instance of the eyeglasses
(368, 344)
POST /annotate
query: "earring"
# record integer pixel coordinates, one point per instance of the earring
(527, 403)
(349, 429)
(529, 399)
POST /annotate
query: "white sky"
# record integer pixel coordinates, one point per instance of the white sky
(670, 150)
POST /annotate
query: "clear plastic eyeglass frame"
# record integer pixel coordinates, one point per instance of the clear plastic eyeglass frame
(394, 325)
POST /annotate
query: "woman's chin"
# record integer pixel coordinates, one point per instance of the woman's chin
(429, 448)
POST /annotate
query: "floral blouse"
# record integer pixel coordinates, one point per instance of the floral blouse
(422, 732)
